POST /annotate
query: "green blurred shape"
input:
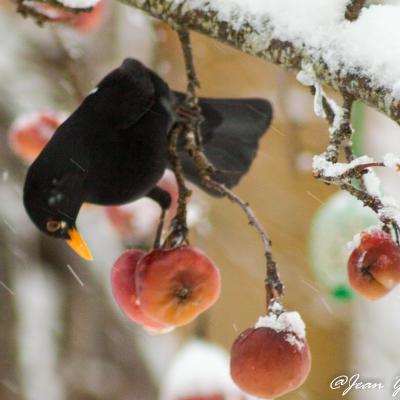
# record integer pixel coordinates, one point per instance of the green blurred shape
(333, 226)
(343, 293)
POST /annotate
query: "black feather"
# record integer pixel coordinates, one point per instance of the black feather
(231, 132)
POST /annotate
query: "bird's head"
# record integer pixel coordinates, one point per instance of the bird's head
(51, 210)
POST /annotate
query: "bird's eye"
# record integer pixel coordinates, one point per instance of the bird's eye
(53, 226)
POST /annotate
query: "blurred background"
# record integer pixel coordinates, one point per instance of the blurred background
(62, 335)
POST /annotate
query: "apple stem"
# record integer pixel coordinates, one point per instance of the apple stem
(179, 227)
(273, 284)
(160, 227)
(193, 145)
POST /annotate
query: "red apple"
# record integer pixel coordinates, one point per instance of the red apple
(174, 286)
(30, 133)
(124, 290)
(89, 21)
(270, 359)
(374, 264)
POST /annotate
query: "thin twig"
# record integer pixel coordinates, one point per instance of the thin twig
(340, 136)
(192, 81)
(273, 284)
(179, 231)
(160, 227)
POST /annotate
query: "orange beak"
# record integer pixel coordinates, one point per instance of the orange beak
(78, 244)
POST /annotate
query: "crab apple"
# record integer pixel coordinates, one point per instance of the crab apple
(30, 133)
(273, 358)
(86, 22)
(124, 290)
(374, 264)
(174, 286)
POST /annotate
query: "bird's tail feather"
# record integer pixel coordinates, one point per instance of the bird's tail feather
(231, 132)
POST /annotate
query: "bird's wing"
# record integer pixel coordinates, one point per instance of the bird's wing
(125, 94)
(231, 131)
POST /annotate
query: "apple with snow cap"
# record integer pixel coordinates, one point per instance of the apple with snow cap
(374, 263)
(273, 358)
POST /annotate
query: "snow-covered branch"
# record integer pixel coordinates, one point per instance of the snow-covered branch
(359, 58)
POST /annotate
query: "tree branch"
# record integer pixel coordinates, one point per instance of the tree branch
(264, 44)
(353, 9)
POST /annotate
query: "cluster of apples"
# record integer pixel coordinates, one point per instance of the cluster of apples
(164, 288)
(84, 22)
(374, 264)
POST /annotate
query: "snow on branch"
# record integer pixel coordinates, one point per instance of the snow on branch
(359, 58)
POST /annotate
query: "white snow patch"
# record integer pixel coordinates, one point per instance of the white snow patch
(294, 341)
(306, 76)
(355, 242)
(390, 209)
(370, 43)
(199, 369)
(78, 3)
(334, 170)
(290, 322)
(392, 161)
(372, 183)
(276, 307)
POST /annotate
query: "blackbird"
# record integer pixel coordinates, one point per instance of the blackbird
(113, 149)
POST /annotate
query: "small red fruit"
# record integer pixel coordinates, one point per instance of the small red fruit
(273, 358)
(89, 21)
(374, 264)
(30, 133)
(124, 290)
(174, 286)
